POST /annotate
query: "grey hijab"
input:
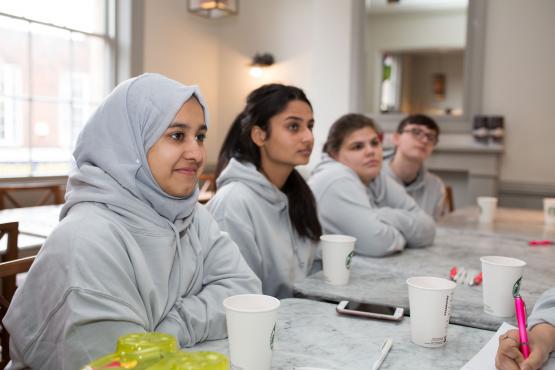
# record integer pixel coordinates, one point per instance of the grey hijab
(110, 155)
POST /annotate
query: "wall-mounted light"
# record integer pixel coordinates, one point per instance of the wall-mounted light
(214, 8)
(260, 61)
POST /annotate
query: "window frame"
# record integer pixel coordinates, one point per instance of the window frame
(117, 14)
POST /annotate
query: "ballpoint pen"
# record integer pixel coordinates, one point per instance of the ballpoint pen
(520, 309)
(384, 350)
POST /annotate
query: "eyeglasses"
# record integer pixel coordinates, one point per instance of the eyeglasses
(375, 142)
(420, 134)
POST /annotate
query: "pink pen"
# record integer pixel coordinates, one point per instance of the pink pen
(520, 309)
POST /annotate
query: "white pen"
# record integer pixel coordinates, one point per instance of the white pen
(386, 346)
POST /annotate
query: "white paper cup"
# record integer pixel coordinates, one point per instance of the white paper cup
(488, 206)
(337, 253)
(430, 300)
(549, 211)
(499, 275)
(251, 322)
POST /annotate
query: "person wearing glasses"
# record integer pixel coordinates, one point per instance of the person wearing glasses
(355, 198)
(134, 252)
(414, 140)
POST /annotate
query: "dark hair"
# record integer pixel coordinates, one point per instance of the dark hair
(420, 120)
(263, 104)
(343, 127)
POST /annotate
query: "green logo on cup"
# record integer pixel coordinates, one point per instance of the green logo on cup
(551, 211)
(272, 337)
(349, 260)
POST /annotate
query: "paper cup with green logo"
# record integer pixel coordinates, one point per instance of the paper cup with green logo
(337, 254)
(549, 211)
(499, 276)
(430, 300)
(251, 322)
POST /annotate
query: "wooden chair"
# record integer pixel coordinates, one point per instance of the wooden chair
(11, 231)
(449, 203)
(207, 182)
(8, 270)
(51, 191)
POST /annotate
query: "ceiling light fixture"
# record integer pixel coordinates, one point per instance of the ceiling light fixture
(214, 8)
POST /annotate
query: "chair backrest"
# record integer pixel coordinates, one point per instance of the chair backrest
(52, 192)
(449, 200)
(11, 231)
(208, 181)
(208, 187)
(9, 270)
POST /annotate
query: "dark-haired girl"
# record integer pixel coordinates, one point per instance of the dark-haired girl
(262, 201)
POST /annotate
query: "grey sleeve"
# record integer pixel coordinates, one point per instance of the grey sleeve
(74, 337)
(77, 324)
(544, 310)
(199, 317)
(401, 211)
(345, 208)
(235, 220)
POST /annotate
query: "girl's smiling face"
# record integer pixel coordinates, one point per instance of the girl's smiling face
(178, 157)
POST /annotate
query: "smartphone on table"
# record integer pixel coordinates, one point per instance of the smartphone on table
(371, 310)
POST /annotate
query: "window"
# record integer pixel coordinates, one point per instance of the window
(10, 108)
(390, 98)
(56, 63)
(75, 90)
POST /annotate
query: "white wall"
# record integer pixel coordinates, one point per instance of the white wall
(519, 83)
(311, 40)
(408, 31)
(315, 47)
(184, 47)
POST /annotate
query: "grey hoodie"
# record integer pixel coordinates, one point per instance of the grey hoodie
(544, 310)
(382, 216)
(126, 257)
(427, 189)
(256, 215)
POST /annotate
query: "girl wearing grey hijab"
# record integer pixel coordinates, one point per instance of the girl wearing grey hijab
(133, 251)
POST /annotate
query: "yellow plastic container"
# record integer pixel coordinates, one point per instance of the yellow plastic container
(137, 352)
(192, 361)
(156, 351)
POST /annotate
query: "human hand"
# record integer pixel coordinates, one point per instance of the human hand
(542, 343)
(508, 354)
(540, 338)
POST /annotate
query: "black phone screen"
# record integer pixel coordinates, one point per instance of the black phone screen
(369, 307)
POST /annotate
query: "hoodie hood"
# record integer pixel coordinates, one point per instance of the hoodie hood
(329, 170)
(247, 174)
(414, 186)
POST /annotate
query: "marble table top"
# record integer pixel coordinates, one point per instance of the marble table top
(26, 244)
(36, 221)
(311, 334)
(383, 280)
(524, 224)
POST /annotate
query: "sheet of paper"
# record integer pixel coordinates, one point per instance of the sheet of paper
(485, 359)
